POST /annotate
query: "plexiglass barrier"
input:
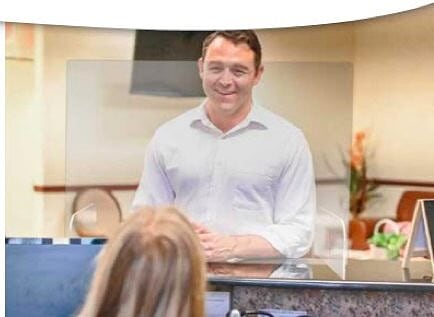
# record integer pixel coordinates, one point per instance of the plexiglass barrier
(114, 108)
(331, 241)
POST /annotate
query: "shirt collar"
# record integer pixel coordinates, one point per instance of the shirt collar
(255, 117)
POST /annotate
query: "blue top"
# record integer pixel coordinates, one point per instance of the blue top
(50, 276)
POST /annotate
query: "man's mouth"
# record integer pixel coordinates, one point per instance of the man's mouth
(225, 93)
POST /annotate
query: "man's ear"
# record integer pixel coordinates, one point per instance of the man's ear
(259, 73)
(200, 66)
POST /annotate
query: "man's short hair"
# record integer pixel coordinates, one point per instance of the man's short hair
(248, 37)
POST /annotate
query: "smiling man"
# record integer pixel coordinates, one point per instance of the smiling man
(242, 174)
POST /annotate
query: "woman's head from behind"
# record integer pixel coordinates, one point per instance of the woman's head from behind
(153, 266)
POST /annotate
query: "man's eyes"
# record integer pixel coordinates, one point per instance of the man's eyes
(215, 69)
(237, 72)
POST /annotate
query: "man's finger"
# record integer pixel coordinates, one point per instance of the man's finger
(195, 225)
(207, 246)
(199, 228)
(206, 237)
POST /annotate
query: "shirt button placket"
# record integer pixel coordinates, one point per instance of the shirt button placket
(216, 180)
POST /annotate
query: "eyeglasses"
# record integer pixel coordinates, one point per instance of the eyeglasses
(257, 313)
(245, 313)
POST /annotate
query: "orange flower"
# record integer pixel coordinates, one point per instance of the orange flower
(357, 152)
(360, 136)
(357, 161)
(361, 188)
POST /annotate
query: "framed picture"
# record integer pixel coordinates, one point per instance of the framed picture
(421, 240)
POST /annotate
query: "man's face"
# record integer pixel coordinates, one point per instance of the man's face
(228, 75)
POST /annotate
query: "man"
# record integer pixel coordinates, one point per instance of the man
(242, 174)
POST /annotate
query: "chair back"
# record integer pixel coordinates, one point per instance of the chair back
(407, 203)
(96, 213)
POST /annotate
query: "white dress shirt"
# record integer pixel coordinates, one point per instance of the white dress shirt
(256, 178)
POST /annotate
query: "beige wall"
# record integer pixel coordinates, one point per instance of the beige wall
(394, 98)
(35, 128)
(327, 43)
(63, 44)
(21, 117)
(394, 92)
(393, 58)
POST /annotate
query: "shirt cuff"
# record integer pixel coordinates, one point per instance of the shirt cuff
(283, 246)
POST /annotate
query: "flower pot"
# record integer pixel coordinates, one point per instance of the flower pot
(359, 231)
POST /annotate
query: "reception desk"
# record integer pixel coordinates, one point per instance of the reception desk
(49, 277)
(371, 288)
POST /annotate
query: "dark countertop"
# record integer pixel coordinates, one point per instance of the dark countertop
(369, 275)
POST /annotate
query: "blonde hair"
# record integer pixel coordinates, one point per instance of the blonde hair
(153, 266)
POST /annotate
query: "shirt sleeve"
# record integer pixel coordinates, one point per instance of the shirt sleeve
(295, 204)
(154, 188)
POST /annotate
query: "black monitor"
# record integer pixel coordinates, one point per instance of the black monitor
(165, 63)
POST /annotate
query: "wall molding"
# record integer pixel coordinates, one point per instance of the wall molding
(130, 187)
(76, 188)
(401, 182)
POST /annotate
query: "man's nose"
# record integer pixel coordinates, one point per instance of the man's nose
(226, 77)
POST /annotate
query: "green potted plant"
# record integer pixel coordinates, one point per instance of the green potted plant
(390, 243)
(361, 191)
